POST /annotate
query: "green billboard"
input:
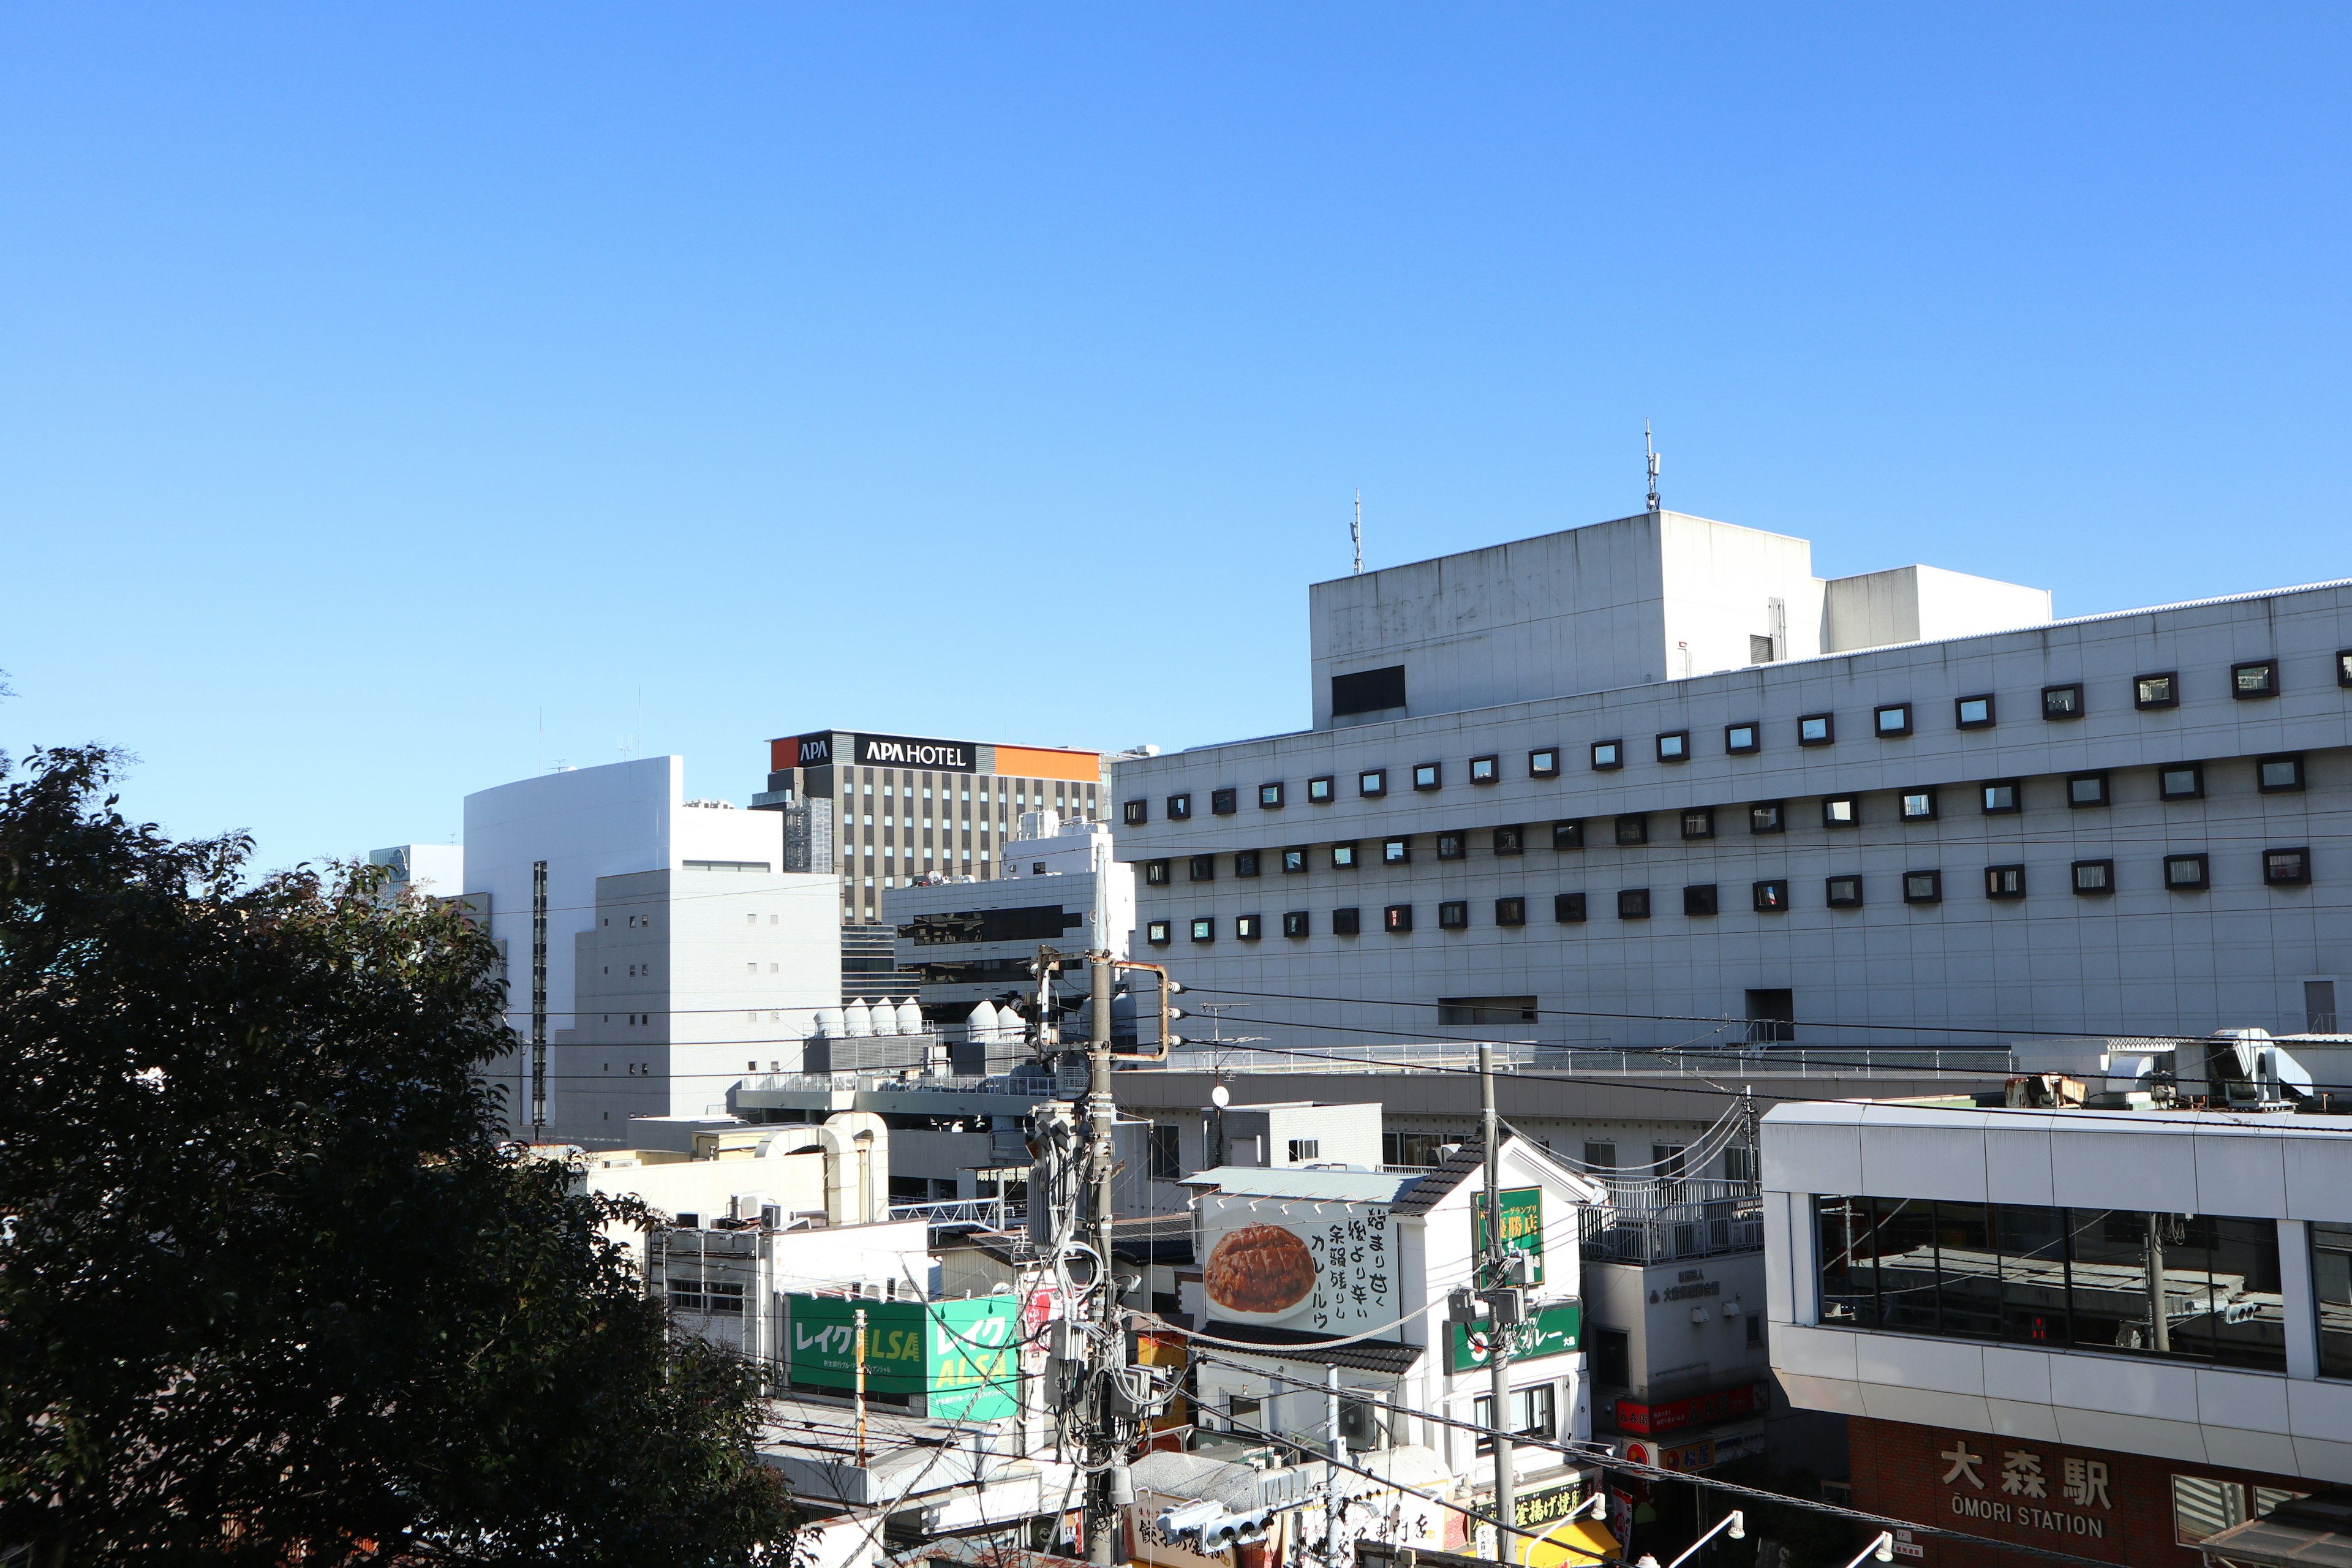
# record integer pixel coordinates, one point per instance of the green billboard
(1522, 1225)
(958, 1356)
(1555, 1330)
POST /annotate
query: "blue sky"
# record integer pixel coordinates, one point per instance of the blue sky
(375, 379)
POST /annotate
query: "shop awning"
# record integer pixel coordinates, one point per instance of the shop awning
(2306, 1532)
(1583, 1544)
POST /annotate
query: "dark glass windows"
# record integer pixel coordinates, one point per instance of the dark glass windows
(1319, 792)
(1204, 929)
(2094, 878)
(1892, 719)
(1841, 811)
(1246, 862)
(2286, 867)
(2331, 1282)
(1223, 802)
(1296, 922)
(1451, 846)
(2187, 873)
(1294, 861)
(1740, 738)
(1156, 932)
(2004, 881)
(2062, 701)
(1973, 712)
(1269, 797)
(1633, 904)
(1511, 911)
(1202, 867)
(2278, 775)
(1544, 763)
(1923, 886)
(1568, 835)
(1368, 691)
(2157, 690)
(1135, 813)
(1343, 857)
(1633, 828)
(1675, 746)
(1155, 873)
(2181, 781)
(1372, 783)
(2060, 1278)
(1453, 914)
(1179, 807)
(1567, 908)
(2086, 790)
(1397, 919)
(1485, 769)
(2003, 797)
(1698, 822)
(1844, 892)
(1918, 805)
(1428, 776)
(1246, 928)
(1699, 899)
(1770, 897)
(1768, 816)
(1510, 840)
(1396, 851)
(2255, 679)
(1816, 729)
(1608, 754)
(1347, 923)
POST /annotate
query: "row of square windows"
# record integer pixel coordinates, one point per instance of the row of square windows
(2001, 797)
(2090, 879)
(1891, 720)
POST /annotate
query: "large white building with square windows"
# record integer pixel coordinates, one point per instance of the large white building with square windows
(1651, 782)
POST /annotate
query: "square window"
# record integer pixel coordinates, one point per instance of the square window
(2004, 881)
(2062, 701)
(1841, 811)
(1321, 792)
(1223, 802)
(2344, 667)
(1892, 719)
(1698, 822)
(1567, 908)
(2185, 873)
(1633, 828)
(1427, 775)
(2286, 867)
(2157, 690)
(1768, 816)
(2258, 678)
(1510, 840)
(2086, 790)
(1294, 922)
(1844, 892)
(1510, 911)
(1453, 914)
(1451, 846)
(1923, 886)
(2181, 781)
(1816, 729)
(1245, 928)
(1740, 739)
(1346, 922)
(1544, 763)
(1396, 851)
(2094, 878)
(1372, 782)
(1608, 754)
(1343, 857)
(1156, 933)
(1179, 807)
(1770, 897)
(1202, 869)
(1294, 861)
(1135, 812)
(1204, 929)
(1269, 797)
(1244, 862)
(1155, 873)
(1485, 770)
(1973, 712)
(1698, 899)
(1675, 746)
(1918, 805)
(1397, 918)
(1633, 904)
(2279, 775)
(2003, 797)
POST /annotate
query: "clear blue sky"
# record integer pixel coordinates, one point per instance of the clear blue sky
(375, 378)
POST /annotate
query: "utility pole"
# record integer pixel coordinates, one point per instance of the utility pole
(1498, 1341)
(1108, 1343)
(858, 1318)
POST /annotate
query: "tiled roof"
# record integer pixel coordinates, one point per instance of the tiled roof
(1458, 1167)
(1290, 1344)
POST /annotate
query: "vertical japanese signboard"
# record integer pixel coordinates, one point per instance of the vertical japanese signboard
(1324, 1268)
(1522, 1225)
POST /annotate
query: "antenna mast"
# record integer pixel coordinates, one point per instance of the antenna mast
(1356, 531)
(1651, 451)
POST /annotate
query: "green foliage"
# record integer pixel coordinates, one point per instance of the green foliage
(270, 1286)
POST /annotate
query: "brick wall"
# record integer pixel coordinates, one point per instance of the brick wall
(1899, 1471)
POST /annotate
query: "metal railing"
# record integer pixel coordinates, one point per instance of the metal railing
(1701, 1224)
(1594, 1062)
(965, 1214)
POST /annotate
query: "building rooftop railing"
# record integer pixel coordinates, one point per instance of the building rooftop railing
(1587, 1061)
(1664, 1220)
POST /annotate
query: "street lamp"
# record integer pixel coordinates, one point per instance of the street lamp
(1881, 1550)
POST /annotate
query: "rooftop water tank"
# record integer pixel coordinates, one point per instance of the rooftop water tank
(857, 1019)
(981, 1022)
(828, 1022)
(911, 1017)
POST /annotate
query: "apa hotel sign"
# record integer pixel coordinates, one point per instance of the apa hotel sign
(822, 751)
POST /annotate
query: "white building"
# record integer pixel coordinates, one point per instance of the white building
(1645, 783)
(655, 952)
(2112, 1332)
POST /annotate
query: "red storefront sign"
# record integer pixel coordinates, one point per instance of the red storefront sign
(1698, 1410)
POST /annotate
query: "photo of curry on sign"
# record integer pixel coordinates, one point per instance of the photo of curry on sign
(1322, 1267)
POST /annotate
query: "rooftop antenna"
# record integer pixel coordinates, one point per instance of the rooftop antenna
(1652, 450)
(1356, 531)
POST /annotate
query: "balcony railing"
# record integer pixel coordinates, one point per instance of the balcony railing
(1667, 1220)
(964, 1214)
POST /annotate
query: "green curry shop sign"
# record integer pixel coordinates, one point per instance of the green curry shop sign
(958, 1356)
(1555, 1330)
(1522, 1225)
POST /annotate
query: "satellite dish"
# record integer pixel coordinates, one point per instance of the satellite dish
(1221, 1097)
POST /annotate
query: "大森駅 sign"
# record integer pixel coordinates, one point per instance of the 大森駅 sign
(1554, 1330)
(1321, 1267)
(957, 1354)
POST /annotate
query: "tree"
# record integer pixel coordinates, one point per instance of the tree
(271, 1287)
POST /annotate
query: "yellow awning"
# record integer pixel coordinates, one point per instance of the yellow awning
(1583, 1544)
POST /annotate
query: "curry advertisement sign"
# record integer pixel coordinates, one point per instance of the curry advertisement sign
(1522, 1225)
(1324, 1268)
(1554, 1330)
(958, 1356)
